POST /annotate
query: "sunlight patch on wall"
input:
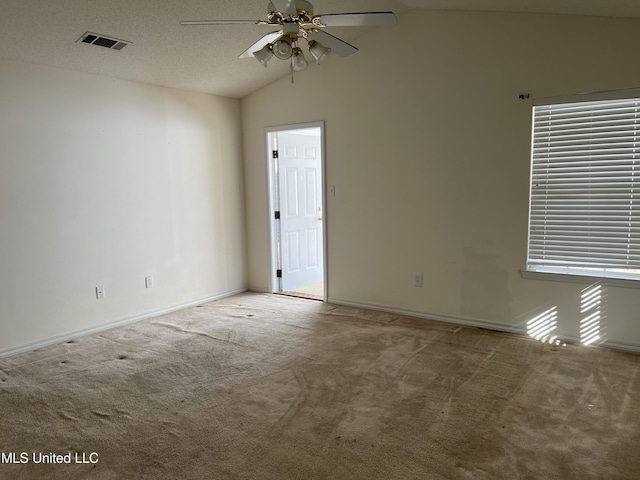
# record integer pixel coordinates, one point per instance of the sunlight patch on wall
(591, 305)
(542, 326)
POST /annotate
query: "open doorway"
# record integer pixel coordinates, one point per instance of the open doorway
(296, 184)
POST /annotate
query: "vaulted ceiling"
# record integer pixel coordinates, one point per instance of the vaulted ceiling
(205, 58)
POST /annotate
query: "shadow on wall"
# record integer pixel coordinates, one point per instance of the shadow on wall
(485, 290)
(592, 319)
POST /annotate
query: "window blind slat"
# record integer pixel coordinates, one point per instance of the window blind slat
(585, 187)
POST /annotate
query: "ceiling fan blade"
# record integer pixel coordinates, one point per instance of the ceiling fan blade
(337, 46)
(358, 19)
(268, 38)
(287, 7)
(224, 22)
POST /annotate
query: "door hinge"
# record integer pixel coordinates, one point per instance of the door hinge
(278, 273)
(275, 153)
(277, 214)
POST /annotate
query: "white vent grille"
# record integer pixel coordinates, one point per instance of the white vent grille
(103, 41)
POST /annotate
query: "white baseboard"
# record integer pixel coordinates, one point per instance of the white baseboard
(472, 322)
(627, 347)
(65, 337)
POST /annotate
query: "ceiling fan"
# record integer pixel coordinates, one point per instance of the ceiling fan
(296, 21)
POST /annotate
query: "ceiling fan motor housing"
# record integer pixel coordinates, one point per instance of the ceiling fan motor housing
(304, 13)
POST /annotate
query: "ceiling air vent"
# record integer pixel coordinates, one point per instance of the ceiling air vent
(103, 41)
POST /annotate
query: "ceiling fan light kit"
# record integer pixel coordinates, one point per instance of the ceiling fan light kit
(282, 49)
(298, 62)
(318, 52)
(264, 55)
(296, 21)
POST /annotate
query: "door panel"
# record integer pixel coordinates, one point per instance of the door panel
(293, 252)
(301, 209)
(313, 257)
(311, 197)
(291, 203)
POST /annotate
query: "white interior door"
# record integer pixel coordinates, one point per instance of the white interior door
(300, 200)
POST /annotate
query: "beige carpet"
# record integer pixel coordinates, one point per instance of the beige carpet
(270, 387)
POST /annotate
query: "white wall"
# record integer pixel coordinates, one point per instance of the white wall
(428, 146)
(103, 182)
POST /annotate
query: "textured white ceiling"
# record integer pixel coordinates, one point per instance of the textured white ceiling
(600, 8)
(203, 58)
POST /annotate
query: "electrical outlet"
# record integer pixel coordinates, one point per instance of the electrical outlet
(100, 292)
(418, 280)
(148, 281)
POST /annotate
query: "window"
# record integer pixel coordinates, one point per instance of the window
(584, 216)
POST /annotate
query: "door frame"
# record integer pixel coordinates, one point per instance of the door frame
(273, 245)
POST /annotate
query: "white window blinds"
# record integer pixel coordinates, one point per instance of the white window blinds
(585, 189)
